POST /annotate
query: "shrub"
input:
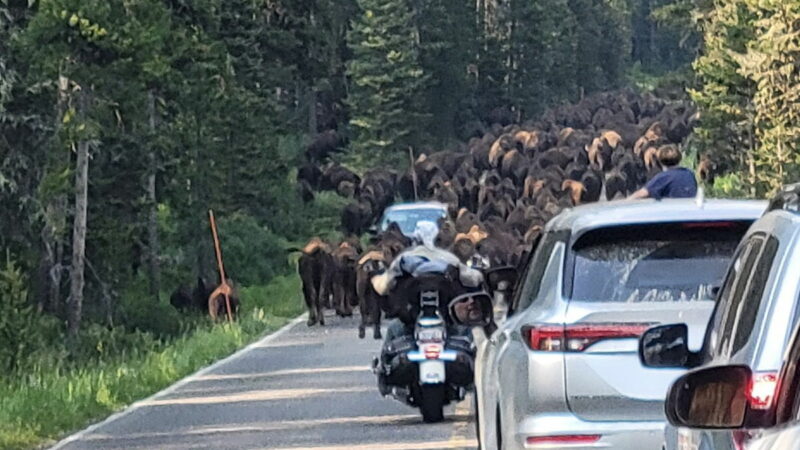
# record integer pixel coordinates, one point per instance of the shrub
(140, 311)
(22, 329)
(729, 186)
(252, 253)
(97, 342)
(282, 297)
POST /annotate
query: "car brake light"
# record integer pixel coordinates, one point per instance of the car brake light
(432, 351)
(708, 225)
(564, 439)
(544, 338)
(762, 389)
(577, 338)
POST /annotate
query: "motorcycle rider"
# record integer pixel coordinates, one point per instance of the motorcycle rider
(424, 258)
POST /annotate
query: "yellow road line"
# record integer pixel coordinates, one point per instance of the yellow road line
(285, 425)
(253, 396)
(277, 373)
(461, 428)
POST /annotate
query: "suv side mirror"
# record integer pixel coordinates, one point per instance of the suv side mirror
(712, 398)
(665, 346)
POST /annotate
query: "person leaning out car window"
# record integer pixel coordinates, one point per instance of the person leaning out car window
(674, 182)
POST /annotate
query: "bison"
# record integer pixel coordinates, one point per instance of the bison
(314, 267)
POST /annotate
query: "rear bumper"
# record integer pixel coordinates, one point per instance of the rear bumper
(613, 435)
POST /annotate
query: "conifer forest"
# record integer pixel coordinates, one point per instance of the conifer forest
(123, 122)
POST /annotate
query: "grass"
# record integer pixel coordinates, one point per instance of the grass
(47, 403)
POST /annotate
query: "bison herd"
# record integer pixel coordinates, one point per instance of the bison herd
(500, 188)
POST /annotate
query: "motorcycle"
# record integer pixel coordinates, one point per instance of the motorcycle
(428, 360)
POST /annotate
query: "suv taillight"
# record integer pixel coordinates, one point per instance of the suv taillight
(760, 397)
(579, 337)
(762, 389)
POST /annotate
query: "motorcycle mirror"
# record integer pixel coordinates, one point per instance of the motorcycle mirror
(473, 309)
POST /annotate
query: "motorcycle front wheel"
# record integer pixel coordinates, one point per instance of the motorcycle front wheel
(431, 402)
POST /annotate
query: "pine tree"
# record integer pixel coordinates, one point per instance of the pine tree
(602, 44)
(494, 55)
(387, 81)
(771, 64)
(327, 52)
(542, 54)
(448, 50)
(724, 97)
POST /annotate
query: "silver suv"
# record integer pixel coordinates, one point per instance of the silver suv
(563, 369)
(717, 397)
(756, 311)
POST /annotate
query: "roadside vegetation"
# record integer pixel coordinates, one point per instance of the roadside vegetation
(54, 397)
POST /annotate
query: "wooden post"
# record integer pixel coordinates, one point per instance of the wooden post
(223, 280)
(153, 247)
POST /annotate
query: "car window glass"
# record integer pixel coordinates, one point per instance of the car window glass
(788, 396)
(752, 295)
(408, 219)
(535, 273)
(735, 271)
(733, 304)
(650, 271)
(794, 392)
(653, 262)
(796, 405)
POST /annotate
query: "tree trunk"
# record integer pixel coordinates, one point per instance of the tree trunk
(751, 160)
(198, 202)
(313, 128)
(42, 284)
(52, 256)
(79, 226)
(153, 246)
(55, 216)
(59, 212)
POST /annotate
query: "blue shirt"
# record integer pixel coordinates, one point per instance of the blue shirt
(672, 183)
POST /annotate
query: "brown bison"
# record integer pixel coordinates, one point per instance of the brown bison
(314, 266)
(343, 278)
(372, 263)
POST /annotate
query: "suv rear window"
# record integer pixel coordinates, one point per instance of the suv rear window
(653, 263)
(408, 219)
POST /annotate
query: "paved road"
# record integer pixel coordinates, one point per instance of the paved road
(304, 388)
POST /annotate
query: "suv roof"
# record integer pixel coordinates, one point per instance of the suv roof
(777, 222)
(787, 198)
(627, 212)
(416, 205)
